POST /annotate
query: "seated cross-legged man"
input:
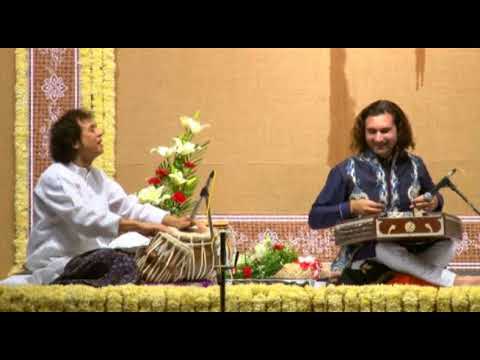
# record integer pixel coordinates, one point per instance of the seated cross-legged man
(383, 176)
(79, 213)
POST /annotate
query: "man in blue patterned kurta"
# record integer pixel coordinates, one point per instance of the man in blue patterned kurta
(383, 177)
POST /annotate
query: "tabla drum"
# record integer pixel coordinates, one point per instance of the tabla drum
(180, 256)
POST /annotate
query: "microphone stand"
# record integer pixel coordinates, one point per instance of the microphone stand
(222, 267)
(464, 198)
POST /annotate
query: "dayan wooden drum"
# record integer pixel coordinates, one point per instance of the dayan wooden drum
(180, 256)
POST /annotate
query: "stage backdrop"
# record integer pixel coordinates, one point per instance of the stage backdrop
(280, 118)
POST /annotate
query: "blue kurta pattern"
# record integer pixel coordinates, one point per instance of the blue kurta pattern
(395, 183)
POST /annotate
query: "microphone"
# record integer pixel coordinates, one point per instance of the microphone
(204, 194)
(444, 182)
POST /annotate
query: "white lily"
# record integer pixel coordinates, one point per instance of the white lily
(193, 125)
(188, 148)
(163, 151)
(260, 250)
(150, 195)
(183, 148)
(267, 240)
(177, 177)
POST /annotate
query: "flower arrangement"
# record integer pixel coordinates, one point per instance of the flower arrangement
(175, 178)
(265, 261)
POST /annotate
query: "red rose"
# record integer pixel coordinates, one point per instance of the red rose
(247, 272)
(189, 164)
(179, 197)
(304, 265)
(278, 246)
(154, 181)
(162, 172)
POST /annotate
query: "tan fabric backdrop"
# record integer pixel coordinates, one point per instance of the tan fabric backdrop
(268, 110)
(280, 118)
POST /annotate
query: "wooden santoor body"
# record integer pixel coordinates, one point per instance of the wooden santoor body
(407, 228)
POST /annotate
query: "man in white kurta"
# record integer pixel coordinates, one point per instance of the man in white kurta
(77, 208)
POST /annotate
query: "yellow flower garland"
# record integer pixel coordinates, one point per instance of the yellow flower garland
(378, 300)
(109, 111)
(97, 84)
(394, 301)
(243, 298)
(21, 158)
(444, 300)
(410, 300)
(474, 298)
(365, 300)
(85, 78)
(460, 301)
(351, 299)
(426, 298)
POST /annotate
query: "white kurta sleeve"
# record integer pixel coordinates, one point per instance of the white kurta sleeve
(129, 207)
(64, 198)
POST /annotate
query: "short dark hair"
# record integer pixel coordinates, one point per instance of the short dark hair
(404, 130)
(65, 132)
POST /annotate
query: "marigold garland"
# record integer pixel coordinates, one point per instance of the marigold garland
(244, 298)
(378, 300)
(21, 158)
(410, 300)
(97, 85)
(394, 301)
(444, 300)
(426, 298)
(474, 298)
(351, 299)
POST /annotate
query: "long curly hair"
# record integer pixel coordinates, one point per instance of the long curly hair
(404, 130)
